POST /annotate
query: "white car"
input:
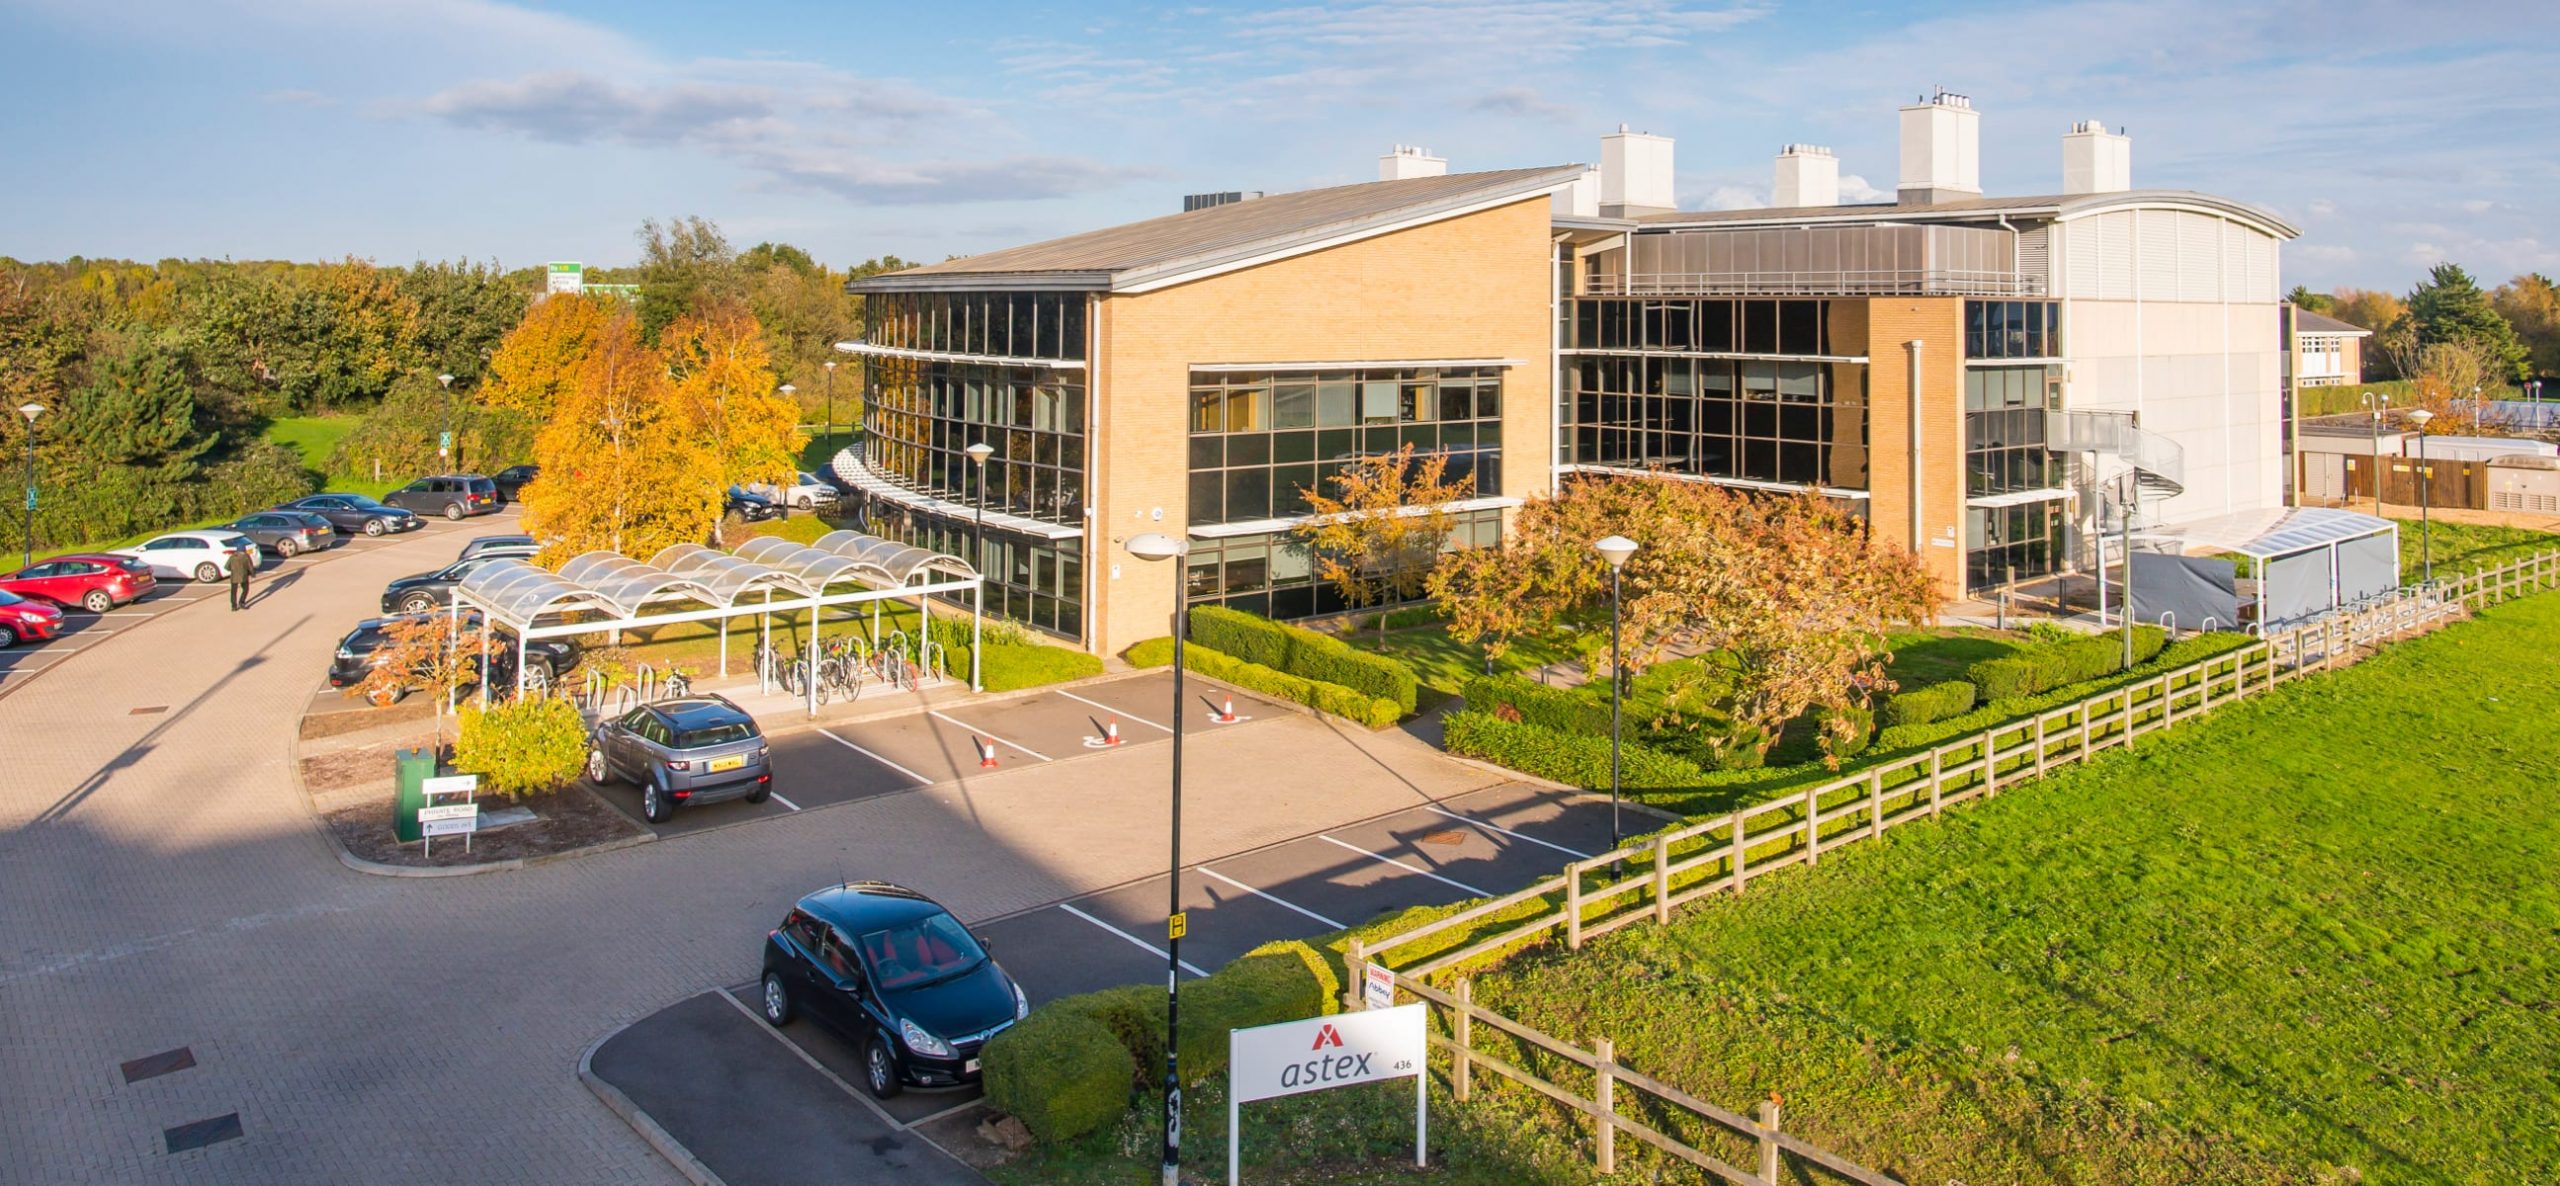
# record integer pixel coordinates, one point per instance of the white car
(192, 555)
(809, 491)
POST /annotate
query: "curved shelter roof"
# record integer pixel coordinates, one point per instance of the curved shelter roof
(518, 591)
(814, 568)
(730, 577)
(621, 587)
(627, 584)
(894, 561)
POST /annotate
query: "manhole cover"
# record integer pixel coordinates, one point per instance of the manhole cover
(153, 1066)
(148, 709)
(1448, 838)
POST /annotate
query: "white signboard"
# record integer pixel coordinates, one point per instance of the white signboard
(567, 277)
(458, 811)
(1378, 985)
(1293, 1057)
(449, 784)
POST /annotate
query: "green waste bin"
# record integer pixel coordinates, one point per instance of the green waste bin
(416, 767)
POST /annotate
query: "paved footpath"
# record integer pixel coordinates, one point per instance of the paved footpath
(163, 886)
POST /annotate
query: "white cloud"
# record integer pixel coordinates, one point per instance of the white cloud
(1854, 188)
(567, 107)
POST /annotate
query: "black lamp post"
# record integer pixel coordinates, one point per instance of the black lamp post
(1155, 546)
(30, 411)
(978, 546)
(2426, 484)
(1615, 549)
(830, 387)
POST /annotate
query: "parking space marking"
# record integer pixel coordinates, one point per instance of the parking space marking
(975, 731)
(1468, 819)
(920, 779)
(1206, 871)
(1115, 712)
(803, 1055)
(1407, 868)
(1161, 953)
(777, 797)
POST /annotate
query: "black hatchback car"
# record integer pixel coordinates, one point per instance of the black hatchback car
(749, 505)
(354, 513)
(361, 651)
(898, 976)
(512, 480)
(454, 496)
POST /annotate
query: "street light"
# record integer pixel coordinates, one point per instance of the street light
(978, 544)
(2376, 402)
(444, 443)
(1155, 546)
(2426, 533)
(830, 385)
(30, 411)
(1615, 549)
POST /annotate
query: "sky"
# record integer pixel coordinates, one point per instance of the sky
(2396, 136)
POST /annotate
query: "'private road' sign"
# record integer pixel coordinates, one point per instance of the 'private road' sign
(1271, 1061)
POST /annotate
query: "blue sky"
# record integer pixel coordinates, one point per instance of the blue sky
(2395, 136)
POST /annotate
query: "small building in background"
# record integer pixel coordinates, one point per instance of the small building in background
(2327, 352)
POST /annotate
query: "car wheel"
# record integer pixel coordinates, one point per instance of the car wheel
(373, 527)
(453, 511)
(804, 502)
(98, 601)
(762, 792)
(208, 572)
(597, 771)
(777, 1001)
(285, 549)
(880, 1068)
(655, 805)
(417, 603)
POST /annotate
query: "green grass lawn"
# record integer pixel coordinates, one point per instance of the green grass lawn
(1444, 664)
(314, 437)
(2464, 547)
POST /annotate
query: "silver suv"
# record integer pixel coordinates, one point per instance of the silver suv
(698, 749)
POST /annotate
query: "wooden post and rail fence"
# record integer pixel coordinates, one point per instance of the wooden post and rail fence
(1723, 854)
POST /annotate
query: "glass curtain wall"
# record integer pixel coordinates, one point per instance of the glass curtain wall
(1273, 575)
(2005, 453)
(1798, 327)
(2012, 329)
(921, 417)
(1002, 324)
(1035, 581)
(1260, 439)
(1796, 423)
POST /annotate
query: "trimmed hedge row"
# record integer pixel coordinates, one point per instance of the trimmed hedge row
(1993, 712)
(1536, 704)
(1068, 1069)
(1330, 699)
(1921, 706)
(2042, 669)
(1577, 759)
(1304, 653)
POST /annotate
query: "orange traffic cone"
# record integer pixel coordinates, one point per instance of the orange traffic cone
(986, 754)
(1111, 732)
(1227, 714)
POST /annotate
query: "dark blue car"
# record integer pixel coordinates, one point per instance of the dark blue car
(898, 976)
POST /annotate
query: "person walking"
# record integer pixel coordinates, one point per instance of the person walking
(239, 566)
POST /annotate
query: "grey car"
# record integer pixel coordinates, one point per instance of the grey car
(688, 751)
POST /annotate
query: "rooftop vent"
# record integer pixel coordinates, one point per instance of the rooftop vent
(1191, 202)
(1808, 175)
(1408, 160)
(1941, 150)
(2096, 161)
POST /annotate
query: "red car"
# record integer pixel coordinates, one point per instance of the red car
(94, 582)
(22, 620)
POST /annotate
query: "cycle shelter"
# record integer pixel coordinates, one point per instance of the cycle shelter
(604, 591)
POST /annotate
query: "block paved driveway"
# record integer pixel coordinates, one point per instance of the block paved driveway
(166, 901)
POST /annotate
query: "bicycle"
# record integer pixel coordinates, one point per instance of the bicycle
(678, 685)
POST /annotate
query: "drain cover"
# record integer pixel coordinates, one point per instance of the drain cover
(1447, 837)
(151, 1066)
(198, 1134)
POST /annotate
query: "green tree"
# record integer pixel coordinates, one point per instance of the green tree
(684, 263)
(462, 310)
(1376, 536)
(2304, 298)
(2531, 303)
(2450, 307)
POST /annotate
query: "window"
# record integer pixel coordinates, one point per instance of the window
(921, 418)
(2012, 329)
(1273, 575)
(2004, 429)
(835, 957)
(1299, 428)
(1796, 423)
(930, 948)
(804, 931)
(989, 324)
(2013, 543)
(1772, 327)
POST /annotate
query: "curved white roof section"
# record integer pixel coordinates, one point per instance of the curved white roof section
(620, 587)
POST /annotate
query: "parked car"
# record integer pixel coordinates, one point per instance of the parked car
(512, 480)
(94, 581)
(361, 651)
(485, 544)
(808, 492)
(750, 506)
(454, 496)
(25, 620)
(683, 752)
(285, 533)
(355, 513)
(201, 555)
(418, 593)
(898, 976)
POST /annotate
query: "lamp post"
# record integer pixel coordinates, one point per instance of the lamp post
(830, 386)
(2375, 402)
(2426, 533)
(2475, 407)
(444, 443)
(1615, 549)
(30, 411)
(1155, 546)
(978, 551)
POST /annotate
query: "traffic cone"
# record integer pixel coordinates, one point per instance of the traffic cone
(1227, 714)
(986, 754)
(1111, 732)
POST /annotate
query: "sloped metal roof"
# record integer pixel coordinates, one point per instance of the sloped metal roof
(2307, 322)
(2266, 535)
(1973, 210)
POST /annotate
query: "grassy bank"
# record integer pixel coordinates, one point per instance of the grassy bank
(2466, 547)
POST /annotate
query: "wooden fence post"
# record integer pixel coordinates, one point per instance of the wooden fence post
(1662, 878)
(1991, 762)
(1573, 906)
(1812, 825)
(2040, 760)
(2128, 716)
(1462, 1027)
(1736, 859)
(1769, 1151)
(1875, 803)
(1355, 969)
(1937, 779)
(1605, 1094)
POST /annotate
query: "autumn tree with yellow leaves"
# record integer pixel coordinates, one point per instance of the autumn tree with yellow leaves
(625, 467)
(537, 362)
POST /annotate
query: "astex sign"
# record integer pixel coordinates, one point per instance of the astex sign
(1271, 1061)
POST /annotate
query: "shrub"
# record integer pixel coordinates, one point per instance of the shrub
(1330, 699)
(1154, 652)
(1921, 706)
(1275, 982)
(2055, 665)
(1006, 668)
(1862, 730)
(1536, 704)
(261, 474)
(1304, 653)
(521, 747)
(1994, 711)
(1575, 759)
(1060, 1072)
(1134, 1013)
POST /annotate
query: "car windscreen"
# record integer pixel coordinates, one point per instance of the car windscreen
(931, 948)
(721, 733)
(9, 598)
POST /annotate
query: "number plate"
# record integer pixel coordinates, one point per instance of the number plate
(970, 1067)
(730, 763)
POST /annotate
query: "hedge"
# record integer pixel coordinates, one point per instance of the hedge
(2042, 669)
(1009, 667)
(1862, 729)
(1304, 653)
(1276, 982)
(1921, 706)
(1330, 699)
(1134, 1013)
(1536, 704)
(1575, 759)
(1996, 711)
(1060, 1072)
(522, 746)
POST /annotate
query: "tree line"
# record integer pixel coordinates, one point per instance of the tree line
(2448, 336)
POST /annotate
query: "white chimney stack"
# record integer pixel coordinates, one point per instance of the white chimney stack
(1808, 175)
(1941, 150)
(1410, 161)
(2096, 161)
(1635, 174)
(1580, 199)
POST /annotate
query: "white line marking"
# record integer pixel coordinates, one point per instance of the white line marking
(963, 1106)
(920, 779)
(1206, 871)
(1160, 952)
(975, 731)
(777, 797)
(1571, 852)
(803, 1055)
(1407, 868)
(1116, 712)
